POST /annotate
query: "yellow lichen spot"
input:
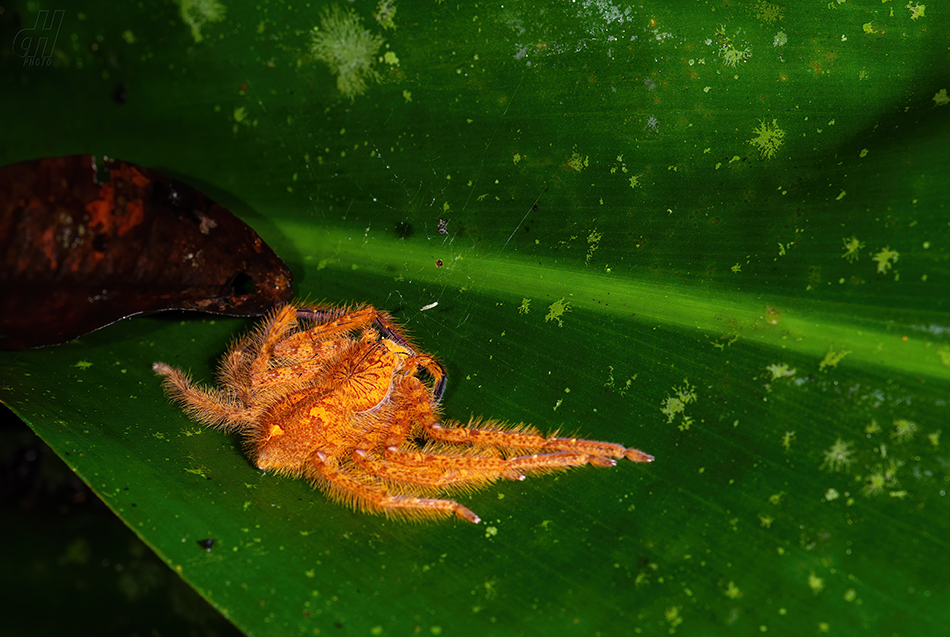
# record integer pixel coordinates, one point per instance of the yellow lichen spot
(730, 53)
(850, 595)
(916, 10)
(886, 259)
(523, 308)
(736, 268)
(675, 405)
(672, 615)
(815, 583)
(593, 241)
(904, 429)
(766, 521)
(516, 158)
(940, 98)
(852, 248)
(824, 627)
(838, 457)
(407, 95)
(832, 358)
(197, 13)
(872, 428)
(841, 196)
(391, 58)
(868, 27)
(732, 591)
(768, 12)
(129, 37)
(635, 181)
(943, 352)
(832, 494)
(349, 50)
(934, 438)
(780, 370)
(578, 163)
(556, 310)
(768, 138)
(787, 439)
(384, 14)
(863, 153)
(776, 498)
(882, 477)
(874, 484)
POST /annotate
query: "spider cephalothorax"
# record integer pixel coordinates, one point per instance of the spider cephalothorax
(340, 396)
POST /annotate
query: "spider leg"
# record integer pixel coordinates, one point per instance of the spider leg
(446, 465)
(343, 485)
(447, 468)
(272, 333)
(206, 405)
(598, 453)
(435, 470)
(342, 319)
(334, 323)
(248, 357)
(435, 370)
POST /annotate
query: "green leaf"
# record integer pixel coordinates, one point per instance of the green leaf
(715, 233)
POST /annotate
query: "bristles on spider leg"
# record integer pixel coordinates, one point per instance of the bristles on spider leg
(205, 405)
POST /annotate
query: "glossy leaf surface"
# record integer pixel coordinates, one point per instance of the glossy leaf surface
(717, 233)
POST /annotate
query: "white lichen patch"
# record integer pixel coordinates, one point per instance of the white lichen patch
(197, 13)
(349, 49)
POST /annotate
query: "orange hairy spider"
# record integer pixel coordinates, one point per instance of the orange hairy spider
(340, 396)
